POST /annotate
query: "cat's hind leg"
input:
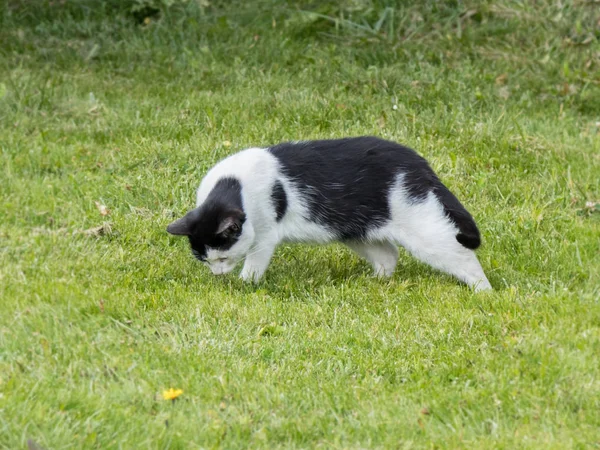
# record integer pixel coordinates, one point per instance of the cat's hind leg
(427, 233)
(441, 250)
(383, 256)
(455, 260)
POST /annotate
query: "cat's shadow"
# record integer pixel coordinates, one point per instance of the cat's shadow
(296, 272)
(289, 276)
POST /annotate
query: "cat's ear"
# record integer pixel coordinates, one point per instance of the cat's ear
(183, 226)
(180, 227)
(231, 224)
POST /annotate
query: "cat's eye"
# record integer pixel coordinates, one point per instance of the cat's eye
(222, 259)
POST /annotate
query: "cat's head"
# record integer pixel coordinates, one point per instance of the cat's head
(219, 237)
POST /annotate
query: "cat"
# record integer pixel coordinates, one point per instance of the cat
(366, 192)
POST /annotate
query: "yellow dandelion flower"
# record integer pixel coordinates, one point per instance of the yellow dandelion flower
(172, 394)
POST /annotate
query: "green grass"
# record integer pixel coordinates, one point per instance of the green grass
(502, 97)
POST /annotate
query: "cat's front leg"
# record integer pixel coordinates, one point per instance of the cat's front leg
(257, 261)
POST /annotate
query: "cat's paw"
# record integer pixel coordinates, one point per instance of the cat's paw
(250, 276)
(482, 285)
(380, 271)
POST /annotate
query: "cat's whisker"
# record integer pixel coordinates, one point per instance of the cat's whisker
(256, 251)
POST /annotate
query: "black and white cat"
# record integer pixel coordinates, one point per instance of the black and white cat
(365, 192)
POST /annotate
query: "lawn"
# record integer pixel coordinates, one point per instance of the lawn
(108, 120)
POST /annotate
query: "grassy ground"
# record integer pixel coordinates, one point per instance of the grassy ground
(101, 313)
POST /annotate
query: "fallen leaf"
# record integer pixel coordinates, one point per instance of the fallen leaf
(469, 13)
(103, 230)
(425, 411)
(104, 211)
(568, 89)
(592, 207)
(501, 79)
(32, 445)
(587, 40)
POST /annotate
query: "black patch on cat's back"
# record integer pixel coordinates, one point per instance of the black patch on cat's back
(346, 182)
(225, 196)
(279, 200)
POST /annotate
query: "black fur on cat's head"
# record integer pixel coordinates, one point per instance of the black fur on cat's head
(209, 229)
(217, 224)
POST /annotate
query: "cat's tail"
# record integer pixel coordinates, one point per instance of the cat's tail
(468, 233)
